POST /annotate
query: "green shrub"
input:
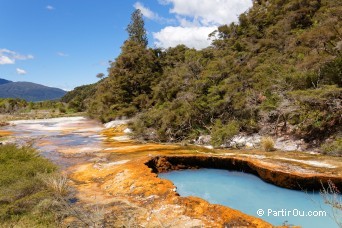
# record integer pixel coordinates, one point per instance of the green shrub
(221, 133)
(333, 148)
(271, 102)
(62, 109)
(318, 112)
(332, 72)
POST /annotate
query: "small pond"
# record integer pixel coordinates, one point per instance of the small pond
(248, 193)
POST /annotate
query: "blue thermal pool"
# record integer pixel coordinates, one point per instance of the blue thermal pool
(248, 193)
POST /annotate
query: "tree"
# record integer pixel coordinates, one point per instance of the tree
(283, 64)
(128, 87)
(100, 75)
(136, 30)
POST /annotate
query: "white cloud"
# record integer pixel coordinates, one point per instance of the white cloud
(62, 54)
(5, 60)
(67, 89)
(197, 19)
(145, 11)
(193, 37)
(9, 57)
(210, 12)
(150, 14)
(21, 71)
(49, 7)
(184, 22)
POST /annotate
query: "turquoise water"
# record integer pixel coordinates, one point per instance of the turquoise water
(248, 193)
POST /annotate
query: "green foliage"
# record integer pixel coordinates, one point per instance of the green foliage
(333, 148)
(79, 98)
(128, 88)
(283, 59)
(331, 72)
(22, 192)
(100, 75)
(170, 122)
(62, 109)
(318, 111)
(271, 101)
(221, 133)
(20, 106)
(12, 105)
(136, 30)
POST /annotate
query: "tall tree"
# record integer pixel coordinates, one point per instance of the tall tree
(136, 30)
(131, 77)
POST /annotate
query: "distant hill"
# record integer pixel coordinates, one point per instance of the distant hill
(4, 81)
(29, 91)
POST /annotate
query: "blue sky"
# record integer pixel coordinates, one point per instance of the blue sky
(65, 43)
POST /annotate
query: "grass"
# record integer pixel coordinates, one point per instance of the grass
(332, 197)
(24, 199)
(34, 194)
(57, 184)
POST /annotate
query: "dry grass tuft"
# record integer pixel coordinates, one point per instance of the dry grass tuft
(267, 143)
(58, 184)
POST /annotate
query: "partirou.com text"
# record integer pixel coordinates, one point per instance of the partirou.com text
(290, 212)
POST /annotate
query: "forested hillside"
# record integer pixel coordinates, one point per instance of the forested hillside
(4, 81)
(79, 98)
(278, 70)
(29, 91)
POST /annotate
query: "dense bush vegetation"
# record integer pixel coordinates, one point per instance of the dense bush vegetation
(20, 106)
(11, 105)
(279, 66)
(222, 133)
(79, 98)
(24, 200)
(333, 148)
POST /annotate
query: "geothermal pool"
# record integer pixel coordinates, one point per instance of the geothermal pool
(248, 193)
(76, 140)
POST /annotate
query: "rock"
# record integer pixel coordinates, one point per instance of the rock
(288, 144)
(243, 141)
(115, 123)
(249, 145)
(127, 131)
(203, 140)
